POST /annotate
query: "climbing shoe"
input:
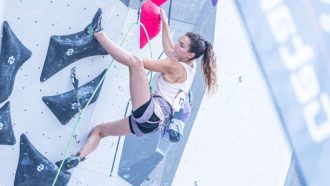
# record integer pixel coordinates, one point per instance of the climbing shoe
(96, 25)
(69, 162)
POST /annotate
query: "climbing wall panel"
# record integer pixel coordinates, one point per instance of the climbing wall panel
(34, 23)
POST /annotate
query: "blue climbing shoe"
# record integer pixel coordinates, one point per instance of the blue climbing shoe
(96, 25)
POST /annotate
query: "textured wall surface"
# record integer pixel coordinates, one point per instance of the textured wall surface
(34, 23)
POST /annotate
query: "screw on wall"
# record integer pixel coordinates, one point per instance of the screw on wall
(240, 79)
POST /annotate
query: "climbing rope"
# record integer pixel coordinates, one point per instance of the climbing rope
(81, 112)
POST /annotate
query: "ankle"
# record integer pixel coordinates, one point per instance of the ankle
(80, 157)
(99, 33)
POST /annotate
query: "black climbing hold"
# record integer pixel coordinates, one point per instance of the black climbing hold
(64, 50)
(7, 136)
(13, 55)
(65, 105)
(35, 169)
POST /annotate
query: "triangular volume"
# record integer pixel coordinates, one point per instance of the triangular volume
(64, 50)
(65, 105)
(125, 2)
(34, 169)
(13, 55)
(139, 172)
(7, 136)
(150, 18)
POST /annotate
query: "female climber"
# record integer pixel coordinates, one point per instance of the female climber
(151, 111)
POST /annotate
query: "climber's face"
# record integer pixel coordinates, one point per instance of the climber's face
(181, 49)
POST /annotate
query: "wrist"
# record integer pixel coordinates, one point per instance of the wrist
(164, 20)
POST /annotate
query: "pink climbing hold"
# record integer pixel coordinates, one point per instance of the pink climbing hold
(150, 18)
(159, 2)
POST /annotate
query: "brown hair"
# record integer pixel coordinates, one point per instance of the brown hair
(199, 46)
